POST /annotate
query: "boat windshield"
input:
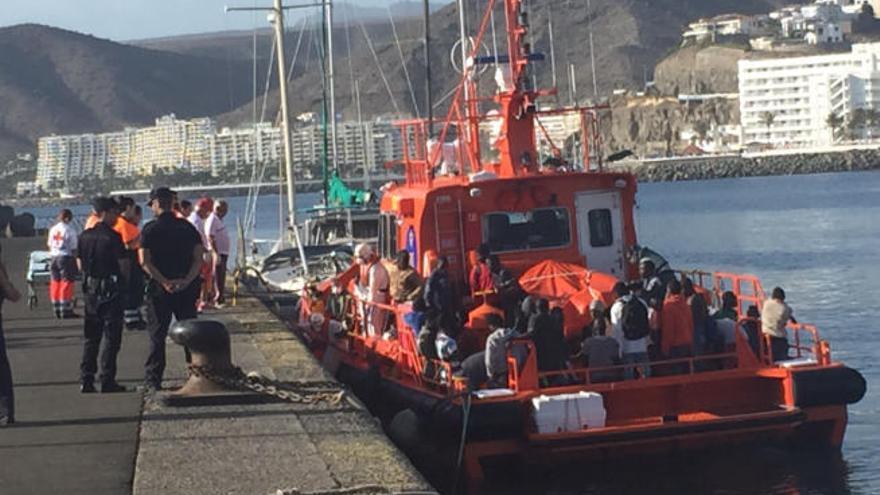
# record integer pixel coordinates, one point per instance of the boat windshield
(540, 228)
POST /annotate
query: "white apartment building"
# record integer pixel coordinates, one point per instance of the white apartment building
(828, 21)
(855, 6)
(168, 145)
(723, 25)
(195, 145)
(786, 102)
(244, 147)
(370, 145)
(61, 158)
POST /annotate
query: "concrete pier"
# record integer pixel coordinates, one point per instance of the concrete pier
(67, 442)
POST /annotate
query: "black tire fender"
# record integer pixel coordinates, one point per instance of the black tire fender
(828, 387)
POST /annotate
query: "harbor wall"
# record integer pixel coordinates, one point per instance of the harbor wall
(730, 166)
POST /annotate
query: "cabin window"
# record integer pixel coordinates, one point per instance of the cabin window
(541, 228)
(601, 230)
(387, 236)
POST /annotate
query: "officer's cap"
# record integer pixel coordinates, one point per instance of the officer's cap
(103, 204)
(163, 193)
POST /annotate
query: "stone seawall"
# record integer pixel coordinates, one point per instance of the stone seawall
(741, 166)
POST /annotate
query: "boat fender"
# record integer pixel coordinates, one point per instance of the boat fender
(404, 430)
(828, 386)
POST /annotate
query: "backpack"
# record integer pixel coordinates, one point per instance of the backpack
(634, 319)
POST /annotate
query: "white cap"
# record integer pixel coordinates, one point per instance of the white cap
(363, 250)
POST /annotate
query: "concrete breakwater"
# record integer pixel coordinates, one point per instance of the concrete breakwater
(751, 166)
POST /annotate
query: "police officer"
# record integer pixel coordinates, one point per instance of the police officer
(171, 255)
(103, 263)
(133, 294)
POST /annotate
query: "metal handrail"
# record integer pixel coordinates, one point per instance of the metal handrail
(690, 361)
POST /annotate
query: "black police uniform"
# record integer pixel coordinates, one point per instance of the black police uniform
(100, 250)
(134, 293)
(7, 396)
(171, 242)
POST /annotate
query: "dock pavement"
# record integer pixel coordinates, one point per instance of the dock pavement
(67, 442)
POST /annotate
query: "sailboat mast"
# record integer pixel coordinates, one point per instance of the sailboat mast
(552, 49)
(429, 97)
(278, 22)
(331, 83)
(365, 148)
(592, 48)
(325, 141)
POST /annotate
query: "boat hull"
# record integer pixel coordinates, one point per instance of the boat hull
(501, 430)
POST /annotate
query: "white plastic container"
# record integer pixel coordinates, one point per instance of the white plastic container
(568, 412)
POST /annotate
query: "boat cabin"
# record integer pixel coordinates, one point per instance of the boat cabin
(583, 218)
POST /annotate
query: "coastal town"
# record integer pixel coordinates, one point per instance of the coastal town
(800, 78)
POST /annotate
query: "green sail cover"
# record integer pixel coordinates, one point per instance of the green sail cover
(340, 195)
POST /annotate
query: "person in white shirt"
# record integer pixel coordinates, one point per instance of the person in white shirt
(218, 238)
(632, 351)
(775, 316)
(373, 285)
(197, 218)
(62, 247)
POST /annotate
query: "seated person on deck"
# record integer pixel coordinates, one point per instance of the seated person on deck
(600, 350)
(507, 287)
(481, 276)
(406, 283)
(549, 340)
(496, 350)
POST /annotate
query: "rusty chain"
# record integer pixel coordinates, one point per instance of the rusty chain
(298, 393)
(355, 490)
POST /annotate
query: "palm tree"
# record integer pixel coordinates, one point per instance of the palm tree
(872, 117)
(856, 122)
(701, 128)
(767, 118)
(834, 122)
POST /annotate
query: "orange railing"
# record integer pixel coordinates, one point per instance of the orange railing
(403, 354)
(747, 289)
(667, 367)
(403, 351)
(804, 340)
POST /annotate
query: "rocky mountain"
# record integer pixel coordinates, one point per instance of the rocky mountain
(630, 37)
(54, 81)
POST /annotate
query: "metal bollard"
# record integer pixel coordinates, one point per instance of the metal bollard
(209, 344)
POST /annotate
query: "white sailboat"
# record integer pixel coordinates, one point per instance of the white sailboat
(319, 241)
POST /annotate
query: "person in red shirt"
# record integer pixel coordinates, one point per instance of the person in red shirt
(676, 324)
(481, 276)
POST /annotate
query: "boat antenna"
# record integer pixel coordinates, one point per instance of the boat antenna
(592, 48)
(463, 39)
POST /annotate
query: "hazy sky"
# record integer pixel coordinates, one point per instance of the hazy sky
(122, 20)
